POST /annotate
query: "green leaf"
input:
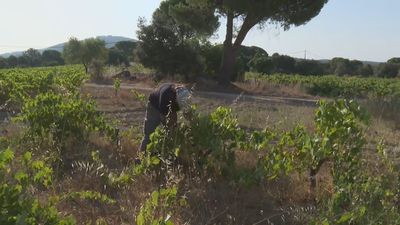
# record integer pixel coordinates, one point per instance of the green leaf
(363, 209)
(154, 198)
(7, 155)
(28, 156)
(169, 222)
(21, 176)
(177, 151)
(155, 160)
(345, 217)
(325, 222)
(140, 219)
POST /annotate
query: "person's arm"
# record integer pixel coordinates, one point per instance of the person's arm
(167, 100)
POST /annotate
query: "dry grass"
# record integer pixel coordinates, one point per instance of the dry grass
(128, 200)
(9, 130)
(264, 88)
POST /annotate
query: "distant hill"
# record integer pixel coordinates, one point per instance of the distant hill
(109, 40)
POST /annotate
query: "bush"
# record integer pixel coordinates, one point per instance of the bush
(388, 70)
(17, 204)
(367, 71)
(309, 67)
(62, 120)
(204, 146)
(261, 63)
(96, 70)
(157, 209)
(360, 196)
(212, 55)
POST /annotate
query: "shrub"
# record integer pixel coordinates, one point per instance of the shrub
(158, 208)
(204, 146)
(62, 120)
(389, 70)
(17, 204)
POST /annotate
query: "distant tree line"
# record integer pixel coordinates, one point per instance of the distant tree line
(172, 53)
(87, 52)
(193, 58)
(337, 66)
(33, 58)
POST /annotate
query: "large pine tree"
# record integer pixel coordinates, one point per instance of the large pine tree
(242, 15)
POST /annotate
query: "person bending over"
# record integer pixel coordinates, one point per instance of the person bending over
(162, 108)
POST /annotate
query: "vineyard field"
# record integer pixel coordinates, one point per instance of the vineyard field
(334, 86)
(68, 155)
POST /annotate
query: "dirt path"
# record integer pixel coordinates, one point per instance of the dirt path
(226, 96)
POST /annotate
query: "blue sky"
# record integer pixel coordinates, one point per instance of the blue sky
(356, 29)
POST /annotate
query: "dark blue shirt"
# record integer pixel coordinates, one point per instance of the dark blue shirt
(164, 99)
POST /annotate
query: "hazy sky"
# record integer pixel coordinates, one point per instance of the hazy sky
(356, 29)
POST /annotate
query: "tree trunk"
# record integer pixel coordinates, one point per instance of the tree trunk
(230, 49)
(228, 54)
(228, 64)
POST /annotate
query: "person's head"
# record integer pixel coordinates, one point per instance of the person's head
(183, 97)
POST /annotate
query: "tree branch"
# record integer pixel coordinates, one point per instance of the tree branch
(249, 22)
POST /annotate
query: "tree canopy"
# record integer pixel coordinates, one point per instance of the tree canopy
(242, 15)
(126, 48)
(32, 57)
(178, 26)
(87, 52)
(52, 58)
(3, 62)
(170, 46)
(388, 70)
(395, 60)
